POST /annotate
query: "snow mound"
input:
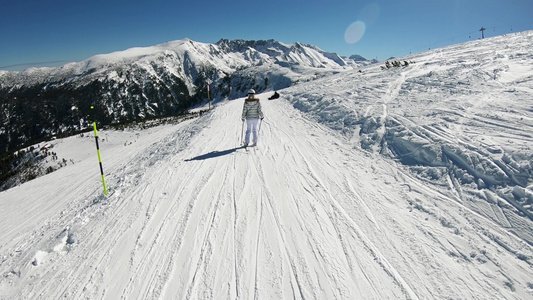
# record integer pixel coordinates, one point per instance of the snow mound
(459, 116)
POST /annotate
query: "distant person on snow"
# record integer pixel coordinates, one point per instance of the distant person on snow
(252, 113)
(275, 96)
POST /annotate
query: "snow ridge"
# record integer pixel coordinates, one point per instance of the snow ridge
(453, 116)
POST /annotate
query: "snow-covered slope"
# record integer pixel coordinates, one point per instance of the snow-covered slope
(460, 117)
(305, 215)
(332, 209)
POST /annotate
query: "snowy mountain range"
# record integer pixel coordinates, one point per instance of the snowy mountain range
(153, 81)
(406, 182)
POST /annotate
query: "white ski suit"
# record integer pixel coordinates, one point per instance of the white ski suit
(251, 112)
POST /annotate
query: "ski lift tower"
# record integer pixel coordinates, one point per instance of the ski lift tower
(483, 32)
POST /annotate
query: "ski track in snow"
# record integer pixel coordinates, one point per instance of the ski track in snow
(304, 215)
(294, 218)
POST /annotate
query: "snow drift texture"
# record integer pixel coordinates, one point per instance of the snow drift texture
(406, 183)
(461, 116)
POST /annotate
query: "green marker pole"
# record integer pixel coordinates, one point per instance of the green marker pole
(99, 158)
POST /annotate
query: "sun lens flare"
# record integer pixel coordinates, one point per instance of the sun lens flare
(354, 32)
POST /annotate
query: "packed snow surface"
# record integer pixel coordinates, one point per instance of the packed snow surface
(363, 186)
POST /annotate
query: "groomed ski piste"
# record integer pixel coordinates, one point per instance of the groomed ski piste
(307, 214)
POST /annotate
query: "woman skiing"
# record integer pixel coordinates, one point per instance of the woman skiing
(252, 113)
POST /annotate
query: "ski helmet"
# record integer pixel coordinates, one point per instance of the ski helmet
(251, 92)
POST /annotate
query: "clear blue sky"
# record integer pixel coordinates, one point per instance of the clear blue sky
(54, 32)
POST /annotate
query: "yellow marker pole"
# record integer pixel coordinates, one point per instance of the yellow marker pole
(99, 158)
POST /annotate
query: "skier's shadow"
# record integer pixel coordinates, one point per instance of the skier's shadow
(214, 154)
